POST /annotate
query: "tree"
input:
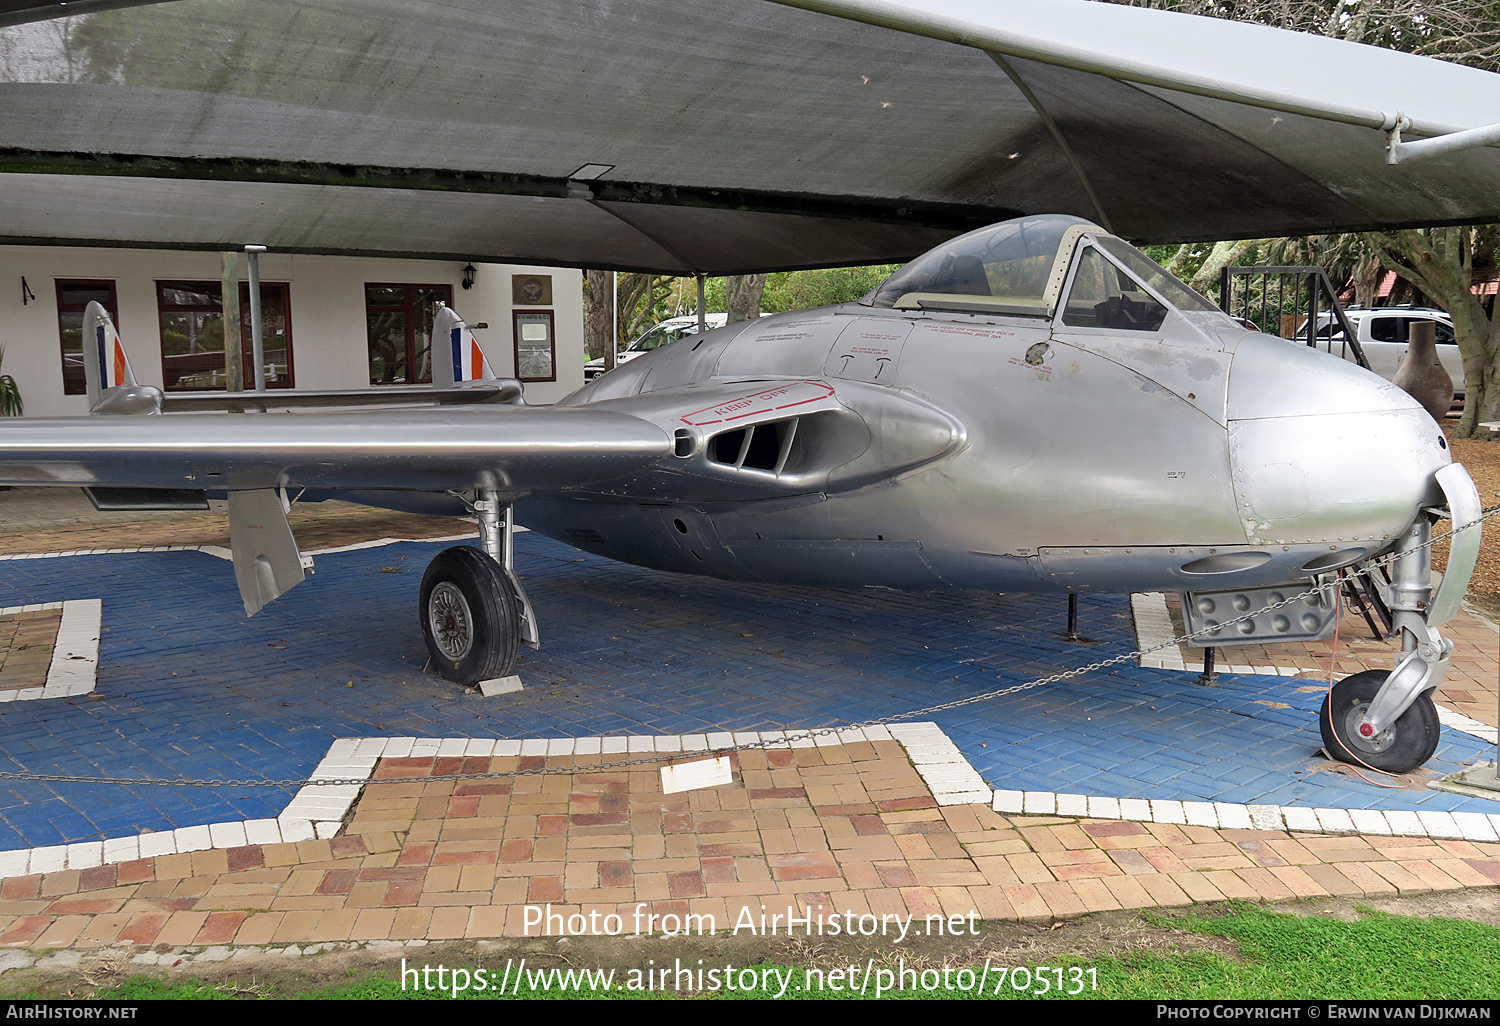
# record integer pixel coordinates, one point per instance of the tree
(742, 295)
(1442, 263)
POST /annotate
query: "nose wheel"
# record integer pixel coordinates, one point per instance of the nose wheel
(470, 616)
(1400, 748)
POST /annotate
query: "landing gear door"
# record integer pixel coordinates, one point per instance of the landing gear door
(868, 350)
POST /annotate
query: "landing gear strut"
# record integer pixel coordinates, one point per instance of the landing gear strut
(473, 611)
(1387, 721)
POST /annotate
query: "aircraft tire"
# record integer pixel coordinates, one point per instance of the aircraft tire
(1401, 748)
(470, 616)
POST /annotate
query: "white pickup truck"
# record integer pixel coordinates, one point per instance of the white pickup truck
(1383, 333)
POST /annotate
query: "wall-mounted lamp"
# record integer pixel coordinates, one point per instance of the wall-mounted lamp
(469, 273)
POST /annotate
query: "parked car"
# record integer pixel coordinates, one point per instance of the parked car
(669, 330)
(1383, 333)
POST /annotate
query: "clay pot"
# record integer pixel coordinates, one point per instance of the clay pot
(1421, 376)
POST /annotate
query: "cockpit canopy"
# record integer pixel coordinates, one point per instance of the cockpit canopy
(1020, 268)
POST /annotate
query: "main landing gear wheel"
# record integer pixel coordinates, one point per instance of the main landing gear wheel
(471, 619)
(1400, 748)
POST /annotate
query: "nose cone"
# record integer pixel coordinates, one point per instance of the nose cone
(1325, 451)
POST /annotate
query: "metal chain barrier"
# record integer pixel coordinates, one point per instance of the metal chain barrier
(799, 734)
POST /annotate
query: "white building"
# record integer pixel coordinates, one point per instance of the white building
(330, 322)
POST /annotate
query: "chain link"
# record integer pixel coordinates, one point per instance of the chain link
(809, 734)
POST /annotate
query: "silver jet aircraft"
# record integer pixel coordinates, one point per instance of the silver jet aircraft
(1034, 406)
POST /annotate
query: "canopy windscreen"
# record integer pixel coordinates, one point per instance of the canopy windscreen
(684, 137)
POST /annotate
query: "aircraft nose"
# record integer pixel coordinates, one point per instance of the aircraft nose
(1323, 451)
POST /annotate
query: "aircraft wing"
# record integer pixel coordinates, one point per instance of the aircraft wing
(499, 390)
(514, 449)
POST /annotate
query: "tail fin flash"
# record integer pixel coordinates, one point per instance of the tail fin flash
(457, 357)
(111, 384)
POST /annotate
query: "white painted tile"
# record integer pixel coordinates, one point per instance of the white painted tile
(480, 748)
(1135, 809)
(1072, 805)
(15, 863)
(694, 742)
(296, 829)
(398, 747)
(560, 746)
(747, 737)
(342, 748)
(1335, 821)
(507, 749)
(1405, 824)
(1104, 808)
(720, 739)
(85, 854)
(227, 835)
(614, 744)
(534, 746)
(451, 747)
(1370, 821)
(1475, 826)
(1200, 814)
(638, 743)
(1440, 824)
(1040, 803)
(1008, 801)
(323, 831)
(1167, 811)
(1299, 817)
(370, 747)
(162, 842)
(1233, 817)
(51, 859)
(584, 746)
(122, 849)
(262, 831)
(976, 796)
(1266, 817)
(193, 838)
(422, 748)
(851, 735)
(878, 732)
(668, 743)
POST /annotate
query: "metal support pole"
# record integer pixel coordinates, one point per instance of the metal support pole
(1411, 585)
(257, 344)
(1072, 632)
(1209, 677)
(702, 320)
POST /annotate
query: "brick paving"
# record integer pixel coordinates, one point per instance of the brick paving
(26, 643)
(829, 830)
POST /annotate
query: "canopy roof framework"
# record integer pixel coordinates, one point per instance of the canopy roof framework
(682, 137)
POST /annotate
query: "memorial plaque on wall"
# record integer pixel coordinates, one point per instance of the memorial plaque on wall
(531, 289)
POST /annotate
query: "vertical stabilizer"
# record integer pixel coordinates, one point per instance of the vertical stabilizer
(457, 357)
(107, 376)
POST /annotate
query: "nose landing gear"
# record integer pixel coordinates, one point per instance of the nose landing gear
(1349, 736)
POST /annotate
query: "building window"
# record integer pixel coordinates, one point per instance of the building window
(536, 346)
(192, 335)
(72, 297)
(398, 325)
